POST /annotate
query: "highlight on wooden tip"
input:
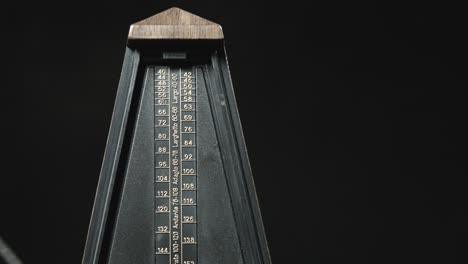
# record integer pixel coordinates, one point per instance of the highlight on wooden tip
(175, 23)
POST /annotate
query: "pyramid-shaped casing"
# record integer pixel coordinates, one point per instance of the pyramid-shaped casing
(127, 224)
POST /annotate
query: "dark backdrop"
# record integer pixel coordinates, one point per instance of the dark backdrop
(354, 116)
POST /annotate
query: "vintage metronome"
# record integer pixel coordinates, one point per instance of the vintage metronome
(175, 184)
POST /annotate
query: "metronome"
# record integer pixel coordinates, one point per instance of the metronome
(175, 185)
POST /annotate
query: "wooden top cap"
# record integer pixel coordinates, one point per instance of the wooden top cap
(175, 23)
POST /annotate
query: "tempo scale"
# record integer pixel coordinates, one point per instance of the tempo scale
(175, 184)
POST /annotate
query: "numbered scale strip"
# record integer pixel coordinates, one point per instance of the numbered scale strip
(175, 165)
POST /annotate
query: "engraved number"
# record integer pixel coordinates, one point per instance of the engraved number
(188, 171)
(162, 208)
(189, 186)
(163, 194)
(162, 178)
(189, 240)
(162, 251)
(162, 149)
(163, 228)
(188, 219)
(188, 201)
(188, 156)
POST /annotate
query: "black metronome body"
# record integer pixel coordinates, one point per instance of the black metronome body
(175, 184)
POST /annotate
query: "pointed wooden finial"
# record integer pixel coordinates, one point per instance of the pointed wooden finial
(175, 23)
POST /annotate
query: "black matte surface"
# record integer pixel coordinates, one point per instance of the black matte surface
(134, 217)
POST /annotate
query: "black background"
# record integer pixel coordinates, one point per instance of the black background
(354, 116)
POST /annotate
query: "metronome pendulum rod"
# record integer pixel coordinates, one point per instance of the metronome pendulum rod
(7, 254)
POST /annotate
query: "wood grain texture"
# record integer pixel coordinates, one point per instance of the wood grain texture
(175, 23)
